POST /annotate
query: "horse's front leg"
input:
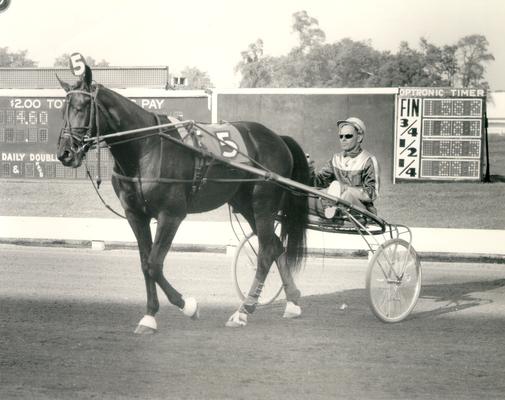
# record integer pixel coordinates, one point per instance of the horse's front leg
(142, 232)
(165, 233)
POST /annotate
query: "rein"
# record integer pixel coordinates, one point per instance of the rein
(160, 131)
(100, 196)
(81, 143)
(175, 180)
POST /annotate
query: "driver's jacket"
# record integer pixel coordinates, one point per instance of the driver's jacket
(361, 171)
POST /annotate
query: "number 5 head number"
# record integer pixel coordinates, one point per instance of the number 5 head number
(4, 4)
(77, 64)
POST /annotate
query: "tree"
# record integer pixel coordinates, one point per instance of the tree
(255, 70)
(405, 68)
(473, 53)
(440, 61)
(196, 79)
(15, 60)
(353, 64)
(260, 71)
(63, 61)
(307, 28)
(343, 64)
(348, 63)
(253, 53)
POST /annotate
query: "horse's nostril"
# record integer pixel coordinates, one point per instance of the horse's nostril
(64, 155)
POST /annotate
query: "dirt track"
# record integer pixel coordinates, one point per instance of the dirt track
(67, 317)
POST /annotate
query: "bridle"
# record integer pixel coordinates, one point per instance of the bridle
(79, 142)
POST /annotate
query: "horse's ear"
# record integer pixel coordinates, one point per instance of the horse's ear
(63, 84)
(88, 76)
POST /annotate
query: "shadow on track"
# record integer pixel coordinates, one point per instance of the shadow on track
(456, 297)
(51, 348)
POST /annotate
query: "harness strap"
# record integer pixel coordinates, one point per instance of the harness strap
(161, 143)
(175, 180)
(149, 180)
(97, 124)
(201, 163)
(95, 113)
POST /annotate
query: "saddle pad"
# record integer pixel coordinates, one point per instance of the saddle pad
(222, 139)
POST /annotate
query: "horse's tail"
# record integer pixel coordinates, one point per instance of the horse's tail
(295, 209)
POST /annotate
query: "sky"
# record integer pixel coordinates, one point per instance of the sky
(210, 34)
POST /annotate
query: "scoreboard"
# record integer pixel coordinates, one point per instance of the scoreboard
(27, 147)
(439, 134)
(30, 127)
(434, 134)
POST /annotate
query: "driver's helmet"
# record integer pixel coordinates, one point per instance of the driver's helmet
(356, 122)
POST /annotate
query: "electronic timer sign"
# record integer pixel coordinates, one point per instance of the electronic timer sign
(439, 134)
(30, 127)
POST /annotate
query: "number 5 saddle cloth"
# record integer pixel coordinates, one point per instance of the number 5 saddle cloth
(222, 139)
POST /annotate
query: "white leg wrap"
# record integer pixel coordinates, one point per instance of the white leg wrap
(149, 321)
(292, 310)
(237, 320)
(190, 307)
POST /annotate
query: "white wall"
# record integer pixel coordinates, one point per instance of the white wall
(496, 112)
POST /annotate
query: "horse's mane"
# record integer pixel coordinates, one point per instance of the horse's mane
(86, 83)
(120, 99)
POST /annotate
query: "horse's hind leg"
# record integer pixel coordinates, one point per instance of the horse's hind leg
(293, 294)
(269, 249)
(266, 255)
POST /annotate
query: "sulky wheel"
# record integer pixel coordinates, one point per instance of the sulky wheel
(393, 280)
(244, 270)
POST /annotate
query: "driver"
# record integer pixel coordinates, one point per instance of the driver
(353, 173)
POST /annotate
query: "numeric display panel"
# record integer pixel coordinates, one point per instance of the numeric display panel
(439, 134)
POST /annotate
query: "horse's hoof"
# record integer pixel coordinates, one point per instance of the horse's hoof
(144, 330)
(292, 310)
(196, 315)
(146, 326)
(191, 308)
(237, 320)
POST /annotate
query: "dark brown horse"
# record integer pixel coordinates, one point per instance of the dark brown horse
(154, 178)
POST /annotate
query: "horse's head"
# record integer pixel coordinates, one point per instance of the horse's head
(79, 120)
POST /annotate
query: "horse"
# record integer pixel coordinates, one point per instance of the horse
(154, 179)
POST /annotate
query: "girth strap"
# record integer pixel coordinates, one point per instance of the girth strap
(201, 166)
(150, 180)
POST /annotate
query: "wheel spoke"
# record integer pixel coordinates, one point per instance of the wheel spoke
(383, 268)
